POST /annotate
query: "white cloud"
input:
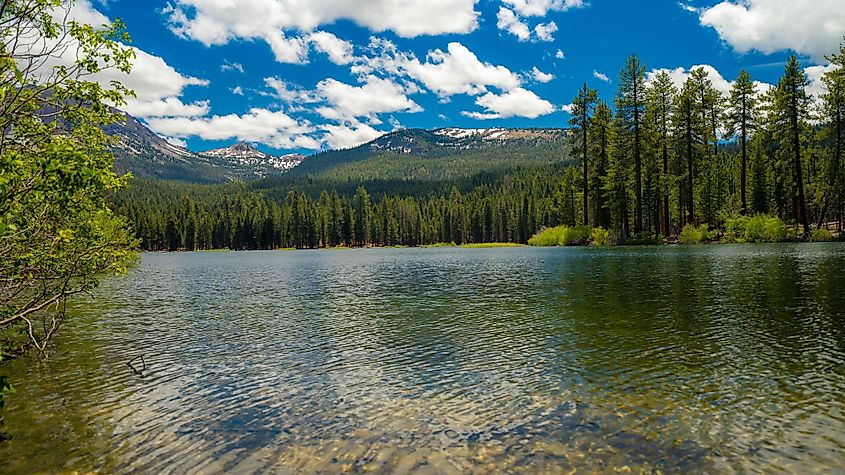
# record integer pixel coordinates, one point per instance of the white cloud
(347, 135)
(679, 76)
(600, 76)
(158, 86)
(238, 91)
(518, 102)
(176, 142)
(508, 21)
(216, 22)
(540, 76)
(227, 66)
(288, 92)
(813, 27)
(339, 51)
(273, 128)
(458, 71)
(814, 74)
(559, 54)
(375, 96)
(568, 108)
(545, 31)
(541, 7)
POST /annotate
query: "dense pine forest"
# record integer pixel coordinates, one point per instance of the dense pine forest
(654, 161)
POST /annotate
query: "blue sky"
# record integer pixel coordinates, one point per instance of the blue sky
(331, 74)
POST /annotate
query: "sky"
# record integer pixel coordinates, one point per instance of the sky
(309, 75)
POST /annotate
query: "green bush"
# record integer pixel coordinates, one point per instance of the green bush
(762, 228)
(601, 237)
(692, 234)
(562, 236)
(821, 235)
(547, 237)
(577, 236)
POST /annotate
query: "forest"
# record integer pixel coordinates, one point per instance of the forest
(654, 161)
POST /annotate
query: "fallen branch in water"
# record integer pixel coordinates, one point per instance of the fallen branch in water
(143, 365)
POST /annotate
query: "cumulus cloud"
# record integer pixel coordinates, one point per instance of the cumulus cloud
(679, 75)
(540, 76)
(542, 7)
(545, 31)
(518, 102)
(238, 91)
(216, 22)
(600, 76)
(559, 54)
(157, 85)
(375, 96)
(813, 27)
(339, 51)
(347, 135)
(273, 128)
(507, 20)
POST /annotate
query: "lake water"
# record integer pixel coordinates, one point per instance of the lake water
(675, 359)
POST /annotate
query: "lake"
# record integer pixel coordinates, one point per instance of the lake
(675, 359)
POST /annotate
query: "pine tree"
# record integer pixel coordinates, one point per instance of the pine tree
(661, 99)
(630, 104)
(833, 108)
(792, 111)
(600, 144)
(582, 113)
(742, 119)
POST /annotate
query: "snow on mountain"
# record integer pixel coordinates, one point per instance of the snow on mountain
(245, 154)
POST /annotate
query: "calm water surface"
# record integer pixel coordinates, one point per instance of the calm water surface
(706, 359)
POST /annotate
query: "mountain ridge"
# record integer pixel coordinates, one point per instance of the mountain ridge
(148, 155)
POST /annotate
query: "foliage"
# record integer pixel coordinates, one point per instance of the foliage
(57, 233)
(600, 237)
(762, 228)
(821, 235)
(562, 236)
(548, 237)
(692, 234)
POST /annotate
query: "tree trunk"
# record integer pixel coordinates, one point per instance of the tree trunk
(796, 143)
(743, 177)
(837, 153)
(638, 218)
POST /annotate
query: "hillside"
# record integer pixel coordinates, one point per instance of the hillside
(145, 154)
(418, 154)
(408, 154)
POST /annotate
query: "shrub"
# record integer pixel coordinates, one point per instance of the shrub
(762, 228)
(601, 237)
(546, 237)
(692, 234)
(821, 235)
(577, 236)
(562, 236)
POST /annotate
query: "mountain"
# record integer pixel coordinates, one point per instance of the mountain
(419, 154)
(141, 151)
(407, 154)
(243, 154)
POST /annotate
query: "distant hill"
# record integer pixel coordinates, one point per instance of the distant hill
(146, 155)
(438, 154)
(409, 154)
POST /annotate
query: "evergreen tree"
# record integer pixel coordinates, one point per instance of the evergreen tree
(661, 100)
(742, 119)
(630, 104)
(582, 113)
(792, 112)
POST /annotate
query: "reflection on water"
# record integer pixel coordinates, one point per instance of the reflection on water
(708, 359)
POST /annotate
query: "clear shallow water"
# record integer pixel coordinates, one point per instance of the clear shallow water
(705, 359)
